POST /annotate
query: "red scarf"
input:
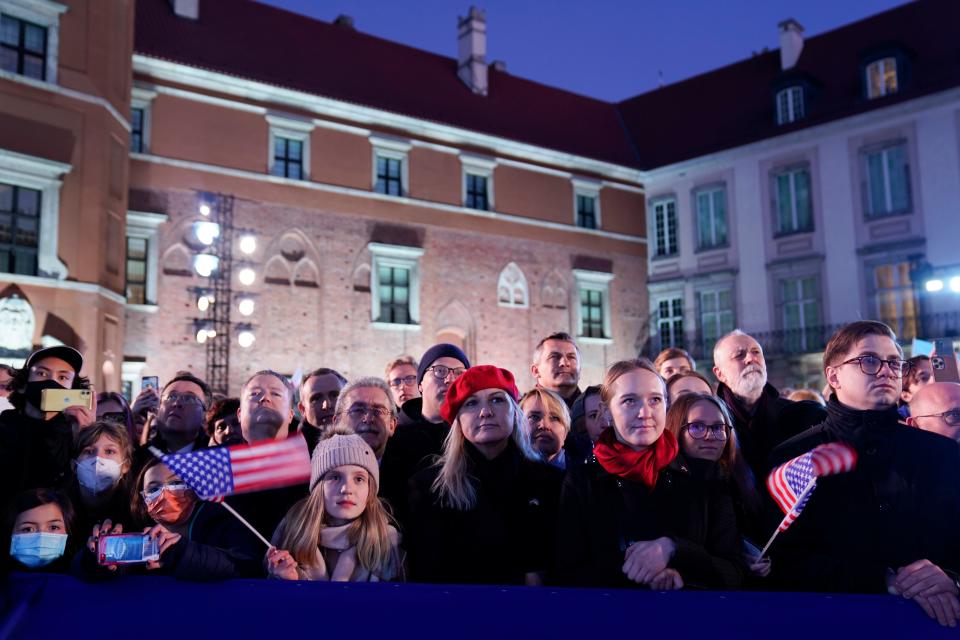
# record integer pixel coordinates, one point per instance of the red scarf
(638, 466)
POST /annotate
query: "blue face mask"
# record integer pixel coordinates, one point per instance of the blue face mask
(37, 549)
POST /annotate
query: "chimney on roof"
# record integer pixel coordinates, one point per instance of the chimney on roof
(472, 41)
(345, 21)
(186, 8)
(791, 43)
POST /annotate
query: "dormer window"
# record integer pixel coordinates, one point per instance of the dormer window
(789, 105)
(882, 78)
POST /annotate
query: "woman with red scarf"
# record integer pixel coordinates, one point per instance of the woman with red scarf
(637, 515)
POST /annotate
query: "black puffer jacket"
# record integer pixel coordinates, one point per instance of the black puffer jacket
(900, 504)
(34, 453)
(505, 536)
(601, 515)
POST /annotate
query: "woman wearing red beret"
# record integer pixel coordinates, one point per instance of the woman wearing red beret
(640, 513)
(486, 512)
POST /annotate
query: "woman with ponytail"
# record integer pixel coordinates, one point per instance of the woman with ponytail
(637, 515)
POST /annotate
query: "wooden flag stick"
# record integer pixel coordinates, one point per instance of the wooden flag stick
(806, 492)
(246, 524)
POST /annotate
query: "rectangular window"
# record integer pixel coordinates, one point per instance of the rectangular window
(716, 316)
(137, 270)
(881, 78)
(791, 192)
(887, 174)
(19, 229)
(591, 313)
(23, 47)
(711, 207)
(665, 232)
(136, 130)
(288, 158)
(389, 176)
(896, 298)
(586, 211)
(670, 322)
(800, 314)
(394, 288)
(477, 193)
(789, 105)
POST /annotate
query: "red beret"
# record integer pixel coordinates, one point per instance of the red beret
(476, 379)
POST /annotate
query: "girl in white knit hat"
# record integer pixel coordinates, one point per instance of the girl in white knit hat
(340, 532)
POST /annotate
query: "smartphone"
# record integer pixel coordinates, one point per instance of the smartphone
(944, 364)
(127, 548)
(60, 399)
(149, 382)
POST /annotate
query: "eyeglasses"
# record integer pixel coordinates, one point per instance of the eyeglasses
(359, 412)
(150, 495)
(699, 430)
(952, 417)
(441, 372)
(186, 399)
(405, 380)
(117, 417)
(871, 365)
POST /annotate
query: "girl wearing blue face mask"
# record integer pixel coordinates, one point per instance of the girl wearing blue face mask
(101, 487)
(39, 525)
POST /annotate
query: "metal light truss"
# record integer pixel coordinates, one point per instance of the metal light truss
(221, 285)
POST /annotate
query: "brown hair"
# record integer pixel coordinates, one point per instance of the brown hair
(688, 374)
(620, 369)
(911, 377)
(669, 354)
(849, 335)
(138, 506)
(806, 394)
(562, 336)
(116, 432)
(396, 362)
(220, 410)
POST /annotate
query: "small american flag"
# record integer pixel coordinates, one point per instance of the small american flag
(223, 471)
(791, 483)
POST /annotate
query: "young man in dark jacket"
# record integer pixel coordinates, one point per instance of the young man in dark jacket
(893, 523)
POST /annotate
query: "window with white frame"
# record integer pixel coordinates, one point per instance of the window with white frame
(670, 321)
(716, 315)
(140, 111)
(896, 298)
(800, 313)
(793, 210)
(665, 227)
(390, 165)
(143, 238)
(886, 178)
(30, 215)
(711, 206)
(593, 294)
(289, 155)
(586, 203)
(882, 77)
(30, 38)
(789, 105)
(395, 284)
(477, 182)
(512, 288)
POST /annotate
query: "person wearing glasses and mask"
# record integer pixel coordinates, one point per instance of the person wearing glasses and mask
(197, 540)
(180, 419)
(892, 525)
(401, 376)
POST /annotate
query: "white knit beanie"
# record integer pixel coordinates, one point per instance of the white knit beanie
(339, 450)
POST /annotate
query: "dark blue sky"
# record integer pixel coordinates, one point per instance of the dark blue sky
(607, 49)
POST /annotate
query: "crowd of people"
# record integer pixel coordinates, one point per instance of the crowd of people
(444, 472)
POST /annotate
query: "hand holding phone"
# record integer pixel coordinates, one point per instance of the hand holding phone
(944, 363)
(56, 400)
(149, 382)
(127, 548)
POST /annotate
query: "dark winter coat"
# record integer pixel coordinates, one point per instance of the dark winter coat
(601, 515)
(900, 504)
(506, 535)
(34, 453)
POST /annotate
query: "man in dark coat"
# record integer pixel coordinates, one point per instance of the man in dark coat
(893, 523)
(762, 418)
(319, 391)
(180, 419)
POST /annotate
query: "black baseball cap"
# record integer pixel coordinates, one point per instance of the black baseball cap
(68, 354)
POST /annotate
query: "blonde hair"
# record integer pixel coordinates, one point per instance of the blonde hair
(454, 485)
(552, 402)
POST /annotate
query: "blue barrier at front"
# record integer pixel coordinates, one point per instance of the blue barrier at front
(138, 607)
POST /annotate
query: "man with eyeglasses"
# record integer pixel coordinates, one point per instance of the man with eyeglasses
(180, 420)
(319, 391)
(401, 375)
(366, 407)
(892, 525)
(937, 408)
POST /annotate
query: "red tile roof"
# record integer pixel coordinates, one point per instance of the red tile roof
(281, 48)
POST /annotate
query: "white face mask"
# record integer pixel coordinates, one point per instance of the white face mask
(98, 474)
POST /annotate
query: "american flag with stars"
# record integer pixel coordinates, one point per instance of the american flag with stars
(792, 483)
(223, 471)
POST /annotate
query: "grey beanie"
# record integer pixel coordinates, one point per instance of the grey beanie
(339, 450)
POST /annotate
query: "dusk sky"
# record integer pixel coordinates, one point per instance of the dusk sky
(603, 48)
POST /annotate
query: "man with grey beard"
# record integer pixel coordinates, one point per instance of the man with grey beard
(762, 418)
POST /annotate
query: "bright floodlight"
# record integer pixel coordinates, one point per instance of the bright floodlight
(211, 333)
(202, 336)
(204, 209)
(246, 338)
(246, 306)
(248, 244)
(247, 276)
(206, 232)
(205, 264)
(955, 284)
(934, 285)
